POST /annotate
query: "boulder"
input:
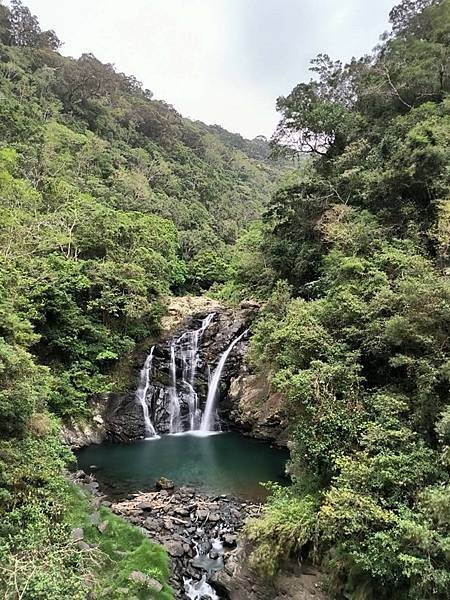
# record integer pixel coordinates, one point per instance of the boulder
(151, 523)
(77, 534)
(164, 484)
(174, 548)
(145, 580)
(250, 305)
(83, 545)
(95, 518)
(102, 527)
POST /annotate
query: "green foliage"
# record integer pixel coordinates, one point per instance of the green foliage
(109, 202)
(360, 351)
(286, 525)
(120, 549)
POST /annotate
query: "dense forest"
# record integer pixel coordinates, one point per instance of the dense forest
(111, 201)
(355, 330)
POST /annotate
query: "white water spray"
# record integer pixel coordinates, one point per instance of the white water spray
(196, 590)
(189, 345)
(208, 420)
(174, 400)
(141, 394)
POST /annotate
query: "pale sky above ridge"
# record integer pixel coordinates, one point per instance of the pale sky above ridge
(219, 61)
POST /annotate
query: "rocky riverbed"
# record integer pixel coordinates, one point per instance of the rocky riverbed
(199, 532)
(203, 536)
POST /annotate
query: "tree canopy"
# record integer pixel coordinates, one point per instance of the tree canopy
(355, 330)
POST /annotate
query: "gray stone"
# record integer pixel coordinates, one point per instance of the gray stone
(83, 546)
(145, 581)
(182, 512)
(95, 518)
(151, 523)
(77, 534)
(164, 484)
(102, 527)
(147, 506)
(214, 517)
(174, 548)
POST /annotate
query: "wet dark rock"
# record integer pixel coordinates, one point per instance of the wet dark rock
(164, 484)
(230, 539)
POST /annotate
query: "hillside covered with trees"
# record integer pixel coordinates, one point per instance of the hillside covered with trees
(109, 201)
(352, 260)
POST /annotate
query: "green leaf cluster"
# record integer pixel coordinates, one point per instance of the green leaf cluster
(355, 329)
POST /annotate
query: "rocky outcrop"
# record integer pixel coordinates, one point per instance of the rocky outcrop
(255, 409)
(181, 308)
(294, 582)
(83, 433)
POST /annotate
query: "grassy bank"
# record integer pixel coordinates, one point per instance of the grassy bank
(118, 551)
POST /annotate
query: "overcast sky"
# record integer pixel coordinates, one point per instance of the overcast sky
(220, 61)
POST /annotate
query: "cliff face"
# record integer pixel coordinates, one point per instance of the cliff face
(183, 362)
(255, 409)
(197, 332)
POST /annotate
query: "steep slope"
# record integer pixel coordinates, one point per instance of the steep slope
(109, 201)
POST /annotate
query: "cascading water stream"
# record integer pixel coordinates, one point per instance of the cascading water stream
(141, 394)
(174, 399)
(198, 590)
(189, 346)
(208, 419)
(176, 406)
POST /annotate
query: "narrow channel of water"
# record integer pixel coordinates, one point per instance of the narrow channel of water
(226, 463)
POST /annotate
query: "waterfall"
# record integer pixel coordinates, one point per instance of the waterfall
(208, 419)
(189, 346)
(173, 395)
(141, 394)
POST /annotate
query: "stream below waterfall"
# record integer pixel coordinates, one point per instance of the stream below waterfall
(225, 463)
